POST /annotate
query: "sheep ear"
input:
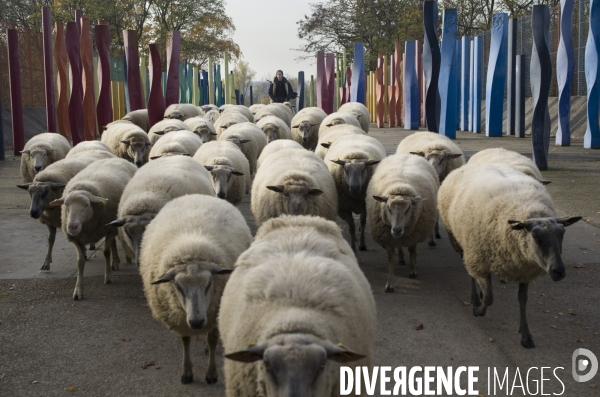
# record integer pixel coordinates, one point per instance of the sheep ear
(313, 125)
(104, 128)
(546, 182)
(329, 125)
(516, 225)
(277, 188)
(296, 126)
(341, 354)
(148, 143)
(236, 172)
(339, 162)
(358, 116)
(56, 186)
(372, 162)
(126, 142)
(57, 202)
(218, 269)
(568, 221)
(213, 133)
(209, 167)
(96, 199)
(165, 278)
(315, 192)
(159, 132)
(245, 140)
(27, 152)
(117, 223)
(24, 186)
(422, 154)
(155, 157)
(382, 199)
(453, 155)
(249, 355)
(418, 199)
(326, 145)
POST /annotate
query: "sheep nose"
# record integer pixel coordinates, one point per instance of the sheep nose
(397, 231)
(304, 139)
(72, 228)
(355, 189)
(138, 163)
(34, 214)
(37, 168)
(222, 195)
(196, 324)
(557, 274)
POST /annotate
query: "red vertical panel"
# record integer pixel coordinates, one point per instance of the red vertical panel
(330, 75)
(322, 89)
(399, 89)
(104, 110)
(173, 53)
(156, 101)
(380, 92)
(76, 101)
(60, 57)
(89, 106)
(29, 67)
(392, 93)
(48, 70)
(16, 100)
(134, 82)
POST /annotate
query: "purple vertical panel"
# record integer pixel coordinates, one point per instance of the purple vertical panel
(134, 81)
(16, 100)
(173, 53)
(78, 16)
(348, 83)
(104, 110)
(330, 73)
(87, 68)
(156, 101)
(321, 88)
(62, 108)
(48, 70)
(392, 92)
(75, 103)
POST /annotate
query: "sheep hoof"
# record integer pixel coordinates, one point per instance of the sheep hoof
(128, 259)
(389, 289)
(76, 296)
(185, 379)
(45, 266)
(362, 248)
(92, 247)
(502, 281)
(437, 235)
(412, 275)
(432, 243)
(211, 380)
(401, 262)
(527, 342)
(106, 282)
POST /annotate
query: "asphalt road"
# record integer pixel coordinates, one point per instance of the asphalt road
(109, 345)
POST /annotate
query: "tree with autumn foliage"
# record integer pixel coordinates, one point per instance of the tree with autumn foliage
(242, 77)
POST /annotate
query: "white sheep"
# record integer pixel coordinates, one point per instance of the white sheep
(41, 151)
(226, 120)
(153, 186)
(350, 161)
(332, 134)
(165, 126)
(47, 186)
(182, 111)
(212, 115)
(250, 139)
(277, 110)
(255, 108)
(503, 156)
(338, 118)
(296, 307)
(203, 128)
(305, 126)
(128, 142)
(502, 222)
(294, 182)
(360, 110)
(187, 252)
(207, 108)
(240, 109)
(276, 146)
(91, 199)
(402, 207)
(274, 128)
(86, 146)
(176, 142)
(139, 118)
(229, 169)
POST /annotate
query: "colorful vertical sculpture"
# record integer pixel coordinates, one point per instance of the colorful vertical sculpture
(62, 108)
(330, 85)
(104, 110)
(156, 100)
(76, 100)
(321, 87)
(496, 76)
(16, 99)
(134, 85)
(431, 64)
(392, 92)
(173, 53)
(447, 79)
(471, 82)
(477, 71)
(565, 66)
(465, 82)
(380, 89)
(211, 82)
(89, 105)
(411, 96)
(591, 138)
(48, 71)
(358, 74)
(300, 100)
(399, 90)
(510, 76)
(421, 80)
(520, 96)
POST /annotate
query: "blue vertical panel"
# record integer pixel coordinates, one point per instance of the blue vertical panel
(540, 73)
(300, 99)
(510, 76)
(565, 66)
(411, 88)
(447, 81)
(218, 86)
(358, 74)
(471, 84)
(205, 87)
(477, 71)
(238, 98)
(465, 83)
(591, 138)
(496, 76)
(431, 64)
(456, 68)
(520, 96)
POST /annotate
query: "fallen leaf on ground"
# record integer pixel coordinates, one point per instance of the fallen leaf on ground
(546, 311)
(418, 327)
(148, 364)
(125, 339)
(5, 293)
(579, 340)
(467, 303)
(71, 389)
(553, 326)
(2, 375)
(34, 382)
(572, 312)
(158, 367)
(491, 340)
(578, 266)
(560, 313)
(592, 386)
(452, 358)
(540, 303)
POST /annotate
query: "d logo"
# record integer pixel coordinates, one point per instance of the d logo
(580, 364)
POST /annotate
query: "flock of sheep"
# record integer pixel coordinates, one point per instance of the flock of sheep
(291, 303)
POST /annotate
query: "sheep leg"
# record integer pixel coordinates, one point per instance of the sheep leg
(437, 228)
(412, 252)
(51, 238)
(211, 373)
(390, 285)
(188, 374)
(485, 284)
(107, 266)
(401, 260)
(347, 216)
(78, 293)
(363, 222)
(432, 242)
(526, 338)
(92, 247)
(114, 254)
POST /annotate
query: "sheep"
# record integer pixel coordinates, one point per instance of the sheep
(360, 110)
(212, 115)
(207, 108)
(47, 186)
(184, 275)
(41, 151)
(139, 118)
(91, 199)
(277, 110)
(350, 162)
(255, 108)
(338, 118)
(165, 126)
(153, 186)
(276, 146)
(203, 128)
(402, 207)
(225, 106)
(295, 308)
(502, 222)
(176, 142)
(87, 146)
(250, 138)
(226, 120)
(128, 142)
(182, 111)
(228, 167)
(503, 156)
(294, 182)
(332, 134)
(240, 109)
(274, 128)
(305, 126)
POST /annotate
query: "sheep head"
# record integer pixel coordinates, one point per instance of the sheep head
(397, 211)
(305, 127)
(41, 193)
(356, 173)
(221, 178)
(138, 149)
(38, 158)
(543, 242)
(134, 227)
(438, 159)
(271, 130)
(78, 208)
(295, 196)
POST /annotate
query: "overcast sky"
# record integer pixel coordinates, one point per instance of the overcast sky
(266, 32)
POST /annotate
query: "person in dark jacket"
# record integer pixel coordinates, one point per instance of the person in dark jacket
(280, 89)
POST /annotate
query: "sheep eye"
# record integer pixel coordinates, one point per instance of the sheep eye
(208, 286)
(407, 209)
(286, 194)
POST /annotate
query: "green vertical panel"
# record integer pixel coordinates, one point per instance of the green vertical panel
(195, 92)
(182, 82)
(211, 81)
(312, 91)
(226, 79)
(144, 79)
